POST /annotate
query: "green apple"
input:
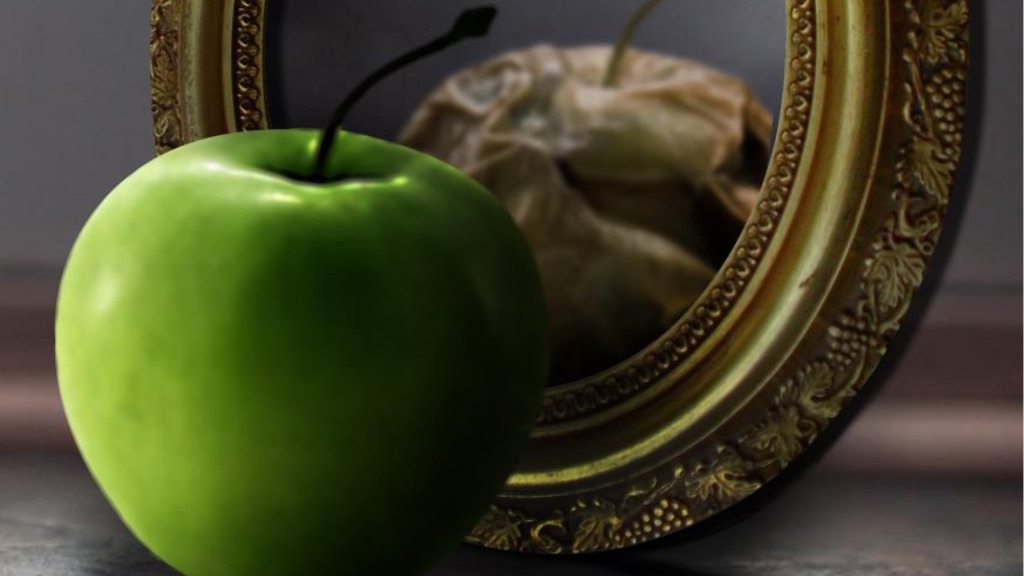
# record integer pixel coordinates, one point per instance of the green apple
(271, 376)
(273, 367)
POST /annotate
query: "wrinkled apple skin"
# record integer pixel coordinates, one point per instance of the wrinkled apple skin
(268, 376)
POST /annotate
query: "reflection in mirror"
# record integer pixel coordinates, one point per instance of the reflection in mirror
(628, 139)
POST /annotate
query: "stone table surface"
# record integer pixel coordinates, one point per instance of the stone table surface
(55, 522)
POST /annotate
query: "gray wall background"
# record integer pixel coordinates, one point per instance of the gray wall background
(74, 101)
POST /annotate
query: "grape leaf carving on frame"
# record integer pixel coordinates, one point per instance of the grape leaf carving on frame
(894, 275)
(164, 70)
(942, 28)
(724, 479)
(597, 520)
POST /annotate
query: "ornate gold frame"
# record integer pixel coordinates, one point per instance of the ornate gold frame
(869, 139)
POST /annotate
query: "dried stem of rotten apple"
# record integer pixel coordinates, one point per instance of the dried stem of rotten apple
(611, 76)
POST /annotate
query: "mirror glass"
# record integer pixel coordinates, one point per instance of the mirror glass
(631, 177)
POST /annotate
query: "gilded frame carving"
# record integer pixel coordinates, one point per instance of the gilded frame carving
(851, 210)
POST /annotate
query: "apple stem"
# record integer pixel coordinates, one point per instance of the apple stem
(625, 40)
(472, 23)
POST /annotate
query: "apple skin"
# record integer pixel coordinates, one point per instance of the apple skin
(268, 376)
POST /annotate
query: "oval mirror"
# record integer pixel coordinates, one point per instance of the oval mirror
(731, 205)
